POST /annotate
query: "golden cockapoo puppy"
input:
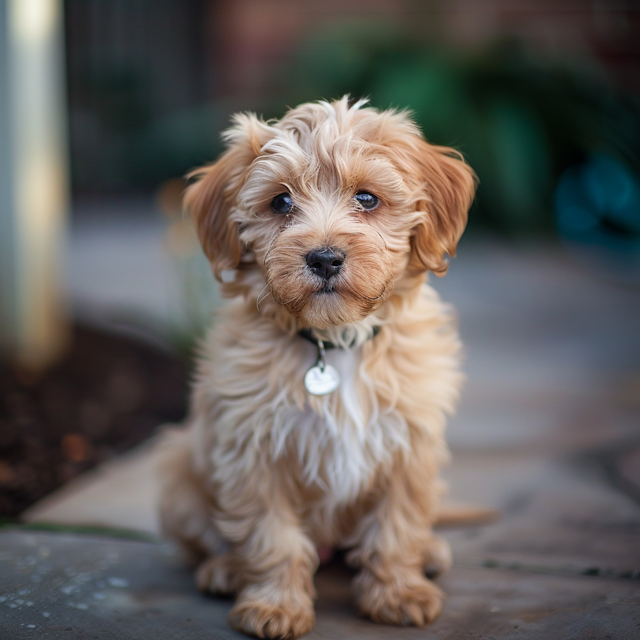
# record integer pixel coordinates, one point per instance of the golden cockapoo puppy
(319, 405)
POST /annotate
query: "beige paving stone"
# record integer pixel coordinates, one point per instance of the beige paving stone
(120, 494)
(557, 515)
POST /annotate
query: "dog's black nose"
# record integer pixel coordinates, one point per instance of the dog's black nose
(325, 262)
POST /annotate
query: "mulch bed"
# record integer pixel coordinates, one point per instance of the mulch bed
(108, 394)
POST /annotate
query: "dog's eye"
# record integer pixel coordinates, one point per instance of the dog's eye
(367, 200)
(282, 203)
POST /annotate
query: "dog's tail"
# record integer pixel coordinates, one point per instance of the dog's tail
(451, 514)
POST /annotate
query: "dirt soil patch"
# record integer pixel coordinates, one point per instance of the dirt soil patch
(108, 394)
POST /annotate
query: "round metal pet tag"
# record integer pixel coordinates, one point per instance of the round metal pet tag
(321, 380)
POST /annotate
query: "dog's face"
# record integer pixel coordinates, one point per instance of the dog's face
(330, 206)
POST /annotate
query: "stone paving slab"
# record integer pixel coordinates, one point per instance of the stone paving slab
(60, 586)
(122, 493)
(556, 512)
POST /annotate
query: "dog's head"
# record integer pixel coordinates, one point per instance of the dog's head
(329, 207)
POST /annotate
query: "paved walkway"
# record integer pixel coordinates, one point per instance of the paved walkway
(548, 432)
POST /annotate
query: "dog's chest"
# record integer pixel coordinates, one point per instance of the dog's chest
(340, 440)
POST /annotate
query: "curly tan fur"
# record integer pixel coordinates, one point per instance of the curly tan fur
(265, 474)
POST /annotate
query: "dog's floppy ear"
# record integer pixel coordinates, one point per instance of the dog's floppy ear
(447, 193)
(210, 199)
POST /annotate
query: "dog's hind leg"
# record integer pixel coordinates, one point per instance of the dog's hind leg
(437, 557)
(216, 574)
(185, 510)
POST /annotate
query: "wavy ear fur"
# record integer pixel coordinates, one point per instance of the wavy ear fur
(449, 186)
(210, 199)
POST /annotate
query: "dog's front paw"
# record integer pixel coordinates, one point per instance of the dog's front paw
(214, 576)
(405, 598)
(272, 617)
(437, 557)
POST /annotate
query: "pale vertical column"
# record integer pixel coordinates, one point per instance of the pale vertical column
(33, 181)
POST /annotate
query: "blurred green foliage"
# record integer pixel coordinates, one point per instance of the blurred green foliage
(519, 120)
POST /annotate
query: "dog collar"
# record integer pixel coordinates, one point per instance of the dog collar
(307, 334)
(322, 379)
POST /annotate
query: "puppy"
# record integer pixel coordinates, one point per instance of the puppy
(320, 397)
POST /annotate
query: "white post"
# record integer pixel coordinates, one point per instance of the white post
(33, 181)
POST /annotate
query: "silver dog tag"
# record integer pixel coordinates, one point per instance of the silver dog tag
(319, 381)
(322, 378)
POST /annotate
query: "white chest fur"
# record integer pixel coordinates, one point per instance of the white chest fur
(341, 439)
